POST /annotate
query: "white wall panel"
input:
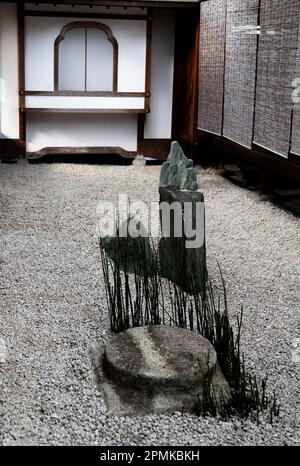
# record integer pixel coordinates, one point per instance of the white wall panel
(159, 120)
(84, 102)
(9, 85)
(41, 32)
(131, 37)
(78, 130)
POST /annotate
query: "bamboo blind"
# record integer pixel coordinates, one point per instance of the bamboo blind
(236, 77)
(275, 74)
(211, 70)
(295, 146)
(240, 70)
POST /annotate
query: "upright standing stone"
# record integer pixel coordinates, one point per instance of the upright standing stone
(178, 171)
(179, 204)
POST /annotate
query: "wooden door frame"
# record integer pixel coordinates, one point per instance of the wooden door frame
(186, 76)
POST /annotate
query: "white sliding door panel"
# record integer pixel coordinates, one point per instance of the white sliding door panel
(99, 61)
(240, 69)
(159, 121)
(71, 61)
(211, 71)
(77, 130)
(275, 74)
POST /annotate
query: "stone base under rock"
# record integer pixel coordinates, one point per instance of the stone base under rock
(156, 369)
(186, 267)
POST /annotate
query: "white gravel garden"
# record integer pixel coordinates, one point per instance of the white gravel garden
(53, 309)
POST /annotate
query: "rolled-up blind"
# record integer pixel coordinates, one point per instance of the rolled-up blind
(275, 74)
(295, 146)
(211, 67)
(240, 70)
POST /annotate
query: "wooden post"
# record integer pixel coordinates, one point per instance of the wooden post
(140, 133)
(142, 116)
(21, 59)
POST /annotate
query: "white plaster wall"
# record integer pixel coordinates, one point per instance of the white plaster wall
(84, 102)
(9, 82)
(76, 130)
(41, 32)
(92, 130)
(159, 120)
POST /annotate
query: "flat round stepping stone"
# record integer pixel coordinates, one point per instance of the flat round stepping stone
(159, 357)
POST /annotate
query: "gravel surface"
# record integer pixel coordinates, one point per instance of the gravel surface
(53, 310)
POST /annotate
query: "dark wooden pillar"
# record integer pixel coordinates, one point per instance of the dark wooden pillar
(140, 133)
(185, 93)
(21, 74)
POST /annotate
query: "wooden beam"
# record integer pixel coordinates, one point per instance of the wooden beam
(126, 4)
(71, 14)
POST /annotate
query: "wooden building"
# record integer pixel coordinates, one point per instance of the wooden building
(127, 77)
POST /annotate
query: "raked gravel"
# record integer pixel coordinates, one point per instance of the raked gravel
(53, 309)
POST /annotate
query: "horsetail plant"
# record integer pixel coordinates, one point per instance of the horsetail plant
(138, 295)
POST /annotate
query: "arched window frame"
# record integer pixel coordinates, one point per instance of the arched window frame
(86, 24)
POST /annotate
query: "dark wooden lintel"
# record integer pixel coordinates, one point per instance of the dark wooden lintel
(126, 4)
(71, 14)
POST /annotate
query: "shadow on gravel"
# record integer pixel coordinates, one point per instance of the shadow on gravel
(281, 192)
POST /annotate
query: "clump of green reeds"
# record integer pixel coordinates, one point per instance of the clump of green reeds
(143, 297)
(133, 297)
